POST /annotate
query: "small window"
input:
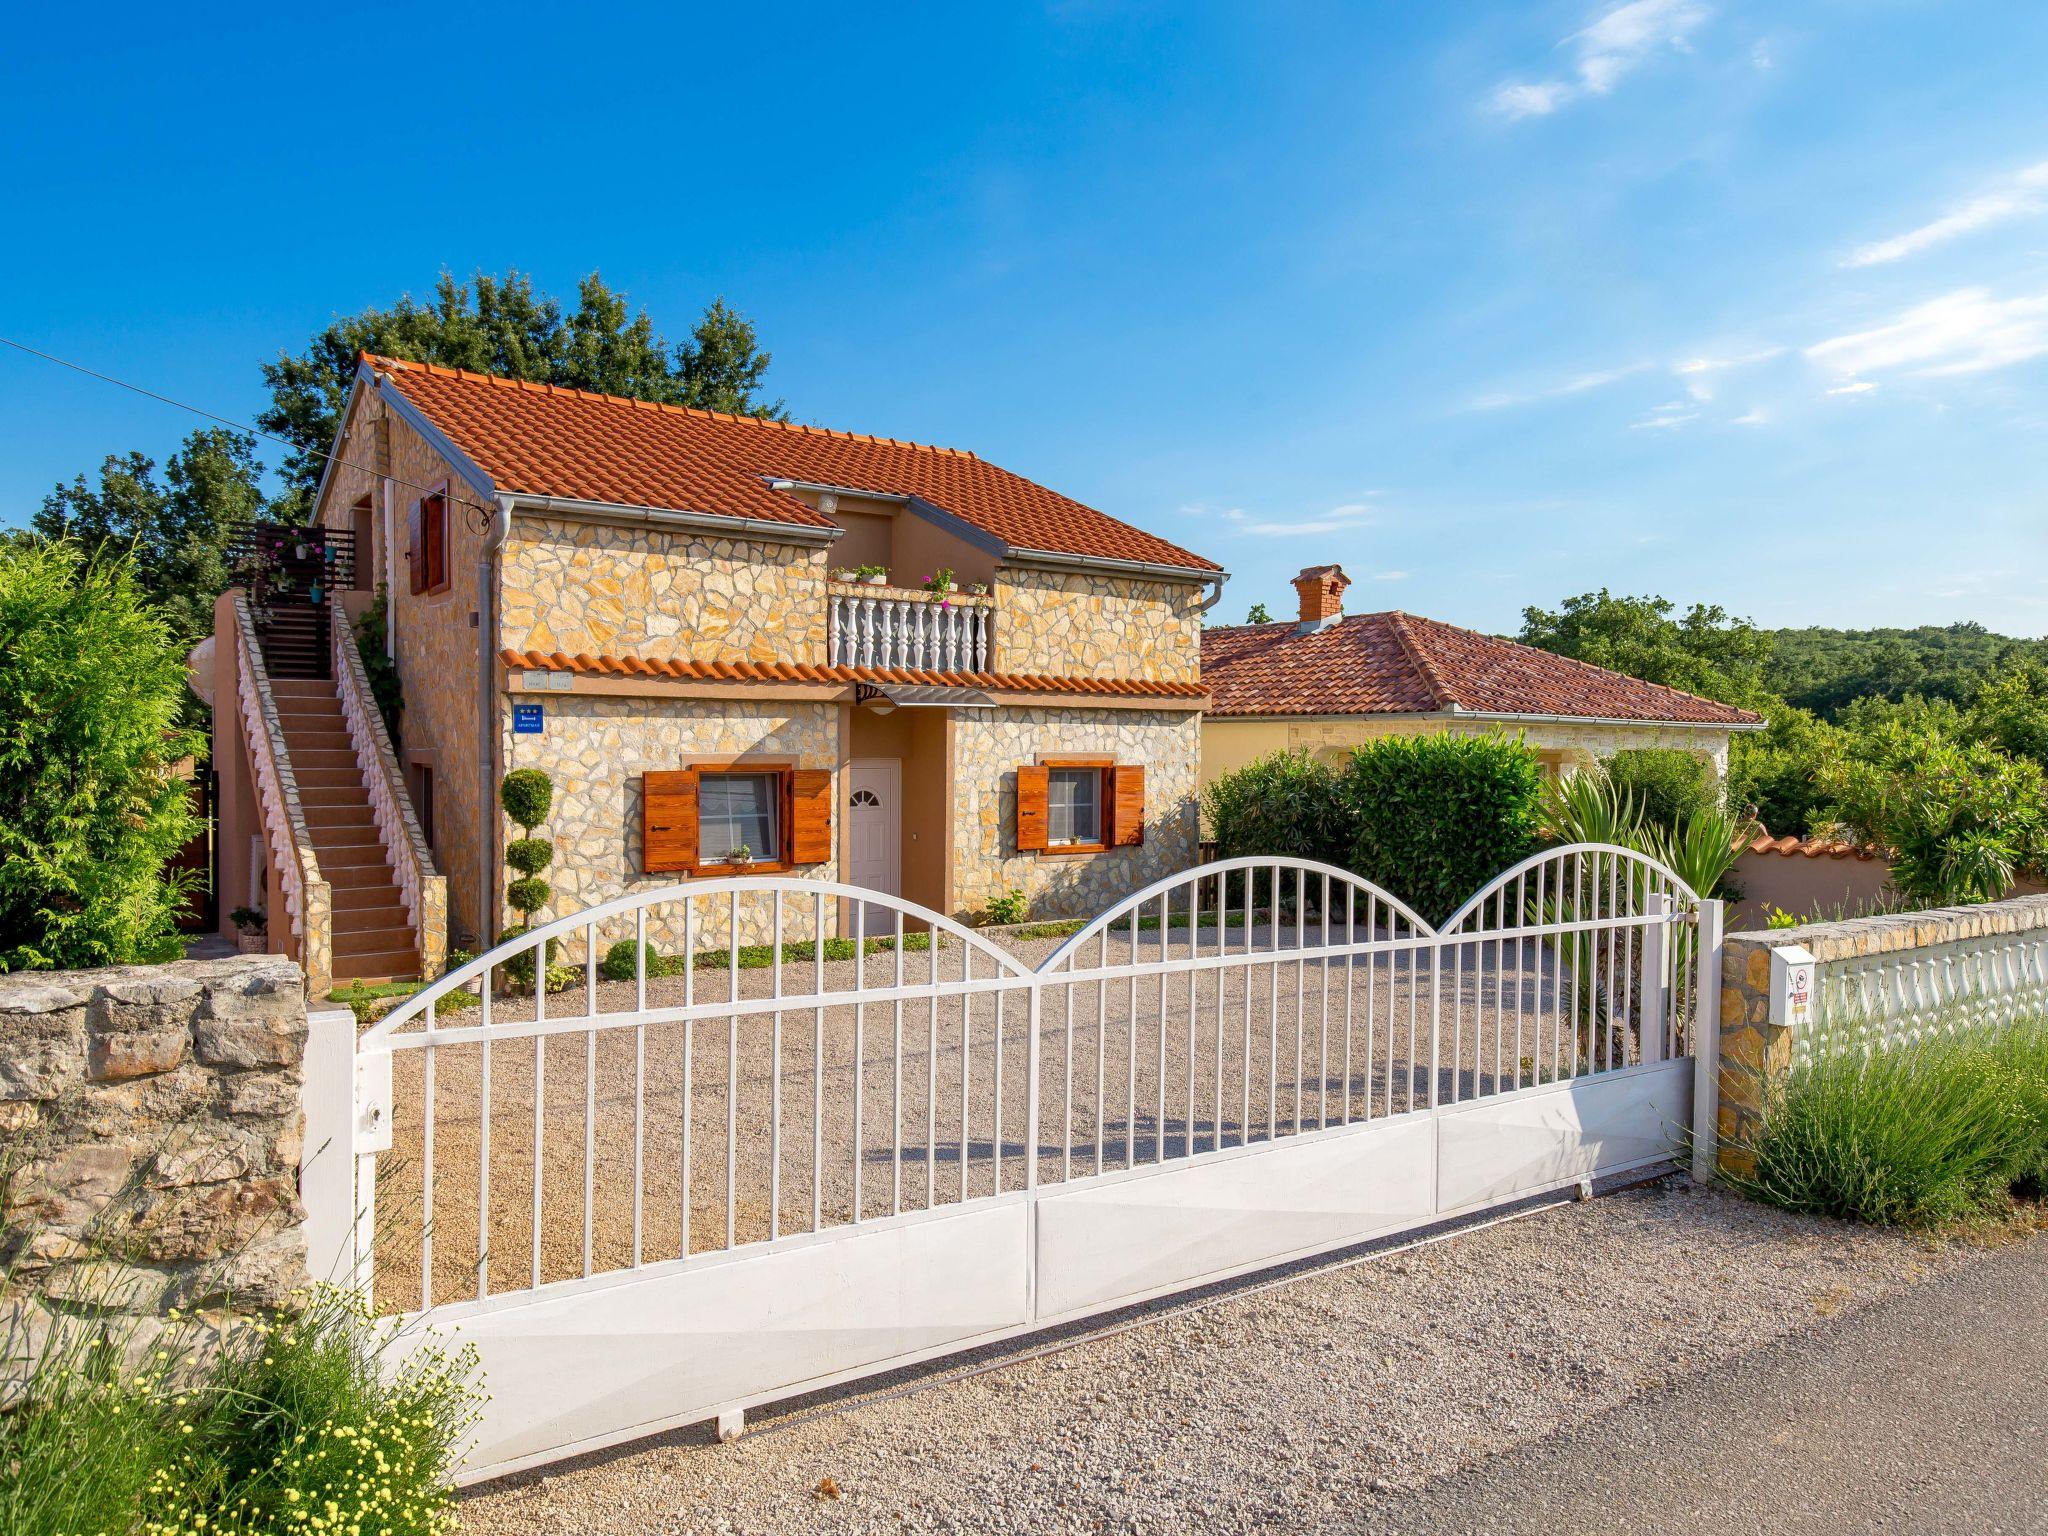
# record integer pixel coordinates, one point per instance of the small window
(423, 800)
(1073, 806)
(737, 810)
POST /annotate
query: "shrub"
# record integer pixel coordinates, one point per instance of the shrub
(520, 968)
(1435, 817)
(1008, 908)
(1912, 1135)
(291, 1426)
(617, 964)
(1670, 786)
(1288, 803)
(526, 794)
(91, 689)
(386, 687)
(529, 855)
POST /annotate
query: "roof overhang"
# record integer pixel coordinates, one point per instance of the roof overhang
(1053, 560)
(1490, 716)
(883, 696)
(573, 510)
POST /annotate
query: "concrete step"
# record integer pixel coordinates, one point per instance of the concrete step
(353, 793)
(387, 916)
(302, 688)
(366, 895)
(388, 965)
(362, 866)
(378, 940)
(321, 739)
(356, 814)
(310, 777)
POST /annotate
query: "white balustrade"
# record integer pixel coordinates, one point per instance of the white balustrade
(916, 633)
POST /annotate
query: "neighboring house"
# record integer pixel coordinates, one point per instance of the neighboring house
(1326, 683)
(641, 600)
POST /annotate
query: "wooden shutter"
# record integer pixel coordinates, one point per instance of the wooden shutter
(416, 547)
(668, 821)
(1031, 809)
(1126, 787)
(809, 808)
(435, 513)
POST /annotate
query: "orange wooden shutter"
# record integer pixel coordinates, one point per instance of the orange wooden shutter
(435, 512)
(810, 816)
(1031, 811)
(1126, 805)
(668, 821)
(416, 547)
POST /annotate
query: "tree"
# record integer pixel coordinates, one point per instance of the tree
(1258, 615)
(502, 325)
(1705, 653)
(2010, 711)
(174, 531)
(91, 683)
(1775, 773)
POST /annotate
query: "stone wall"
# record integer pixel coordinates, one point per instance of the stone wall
(1876, 978)
(989, 746)
(598, 588)
(596, 747)
(151, 1124)
(1068, 625)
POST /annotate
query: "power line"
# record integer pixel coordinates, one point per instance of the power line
(228, 421)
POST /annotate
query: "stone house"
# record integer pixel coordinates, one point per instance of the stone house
(1325, 683)
(654, 605)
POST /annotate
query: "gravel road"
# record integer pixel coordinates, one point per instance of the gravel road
(1129, 1071)
(1304, 1405)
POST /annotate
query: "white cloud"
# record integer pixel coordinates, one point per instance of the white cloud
(1346, 518)
(1673, 413)
(2025, 192)
(1968, 331)
(1854, 387)
(1389, 575)
(1615, 43)
(1753, 417)
(1578, 384)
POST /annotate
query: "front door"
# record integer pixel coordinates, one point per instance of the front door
(874, 837)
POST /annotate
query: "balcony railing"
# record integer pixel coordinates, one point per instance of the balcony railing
(894, 628)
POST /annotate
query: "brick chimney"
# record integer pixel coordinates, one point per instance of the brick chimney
(1322, 597)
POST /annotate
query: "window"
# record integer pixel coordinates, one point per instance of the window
(1073, 806)
(737, 810)
(423, 799)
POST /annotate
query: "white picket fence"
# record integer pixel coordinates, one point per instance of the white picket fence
(765, 1169)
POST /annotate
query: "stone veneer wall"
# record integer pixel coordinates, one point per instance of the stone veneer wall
(989, 745)
(1948, 948)
(1069, 625)
(152, 1118)
(596, 588)
(596, 747)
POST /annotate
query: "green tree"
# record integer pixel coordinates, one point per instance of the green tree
(2010, 711)
(503, 325)
(1258, 615)
(91, 681)
(174, 530)
(1775, 773)
(1706, 652)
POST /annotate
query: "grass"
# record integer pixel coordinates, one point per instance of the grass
(1922, 1134)
(298, 1424)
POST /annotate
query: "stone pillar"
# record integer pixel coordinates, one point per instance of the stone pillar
(150, 1117)
(1754, 1051)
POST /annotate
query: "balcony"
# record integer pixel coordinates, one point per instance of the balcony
(893, 627)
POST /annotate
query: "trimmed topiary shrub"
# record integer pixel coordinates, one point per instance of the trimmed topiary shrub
(1288, 803)
(618, 961)
(529, 855)
(1433, 818)
(527, 794)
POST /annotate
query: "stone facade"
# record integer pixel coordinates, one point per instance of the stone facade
(987, 750)
(1063, 624)
(596, 588)
(595, 748)
(153, 1117)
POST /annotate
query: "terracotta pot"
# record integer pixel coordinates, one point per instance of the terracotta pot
(252, 943)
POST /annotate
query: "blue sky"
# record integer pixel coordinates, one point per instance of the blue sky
(1736, 302)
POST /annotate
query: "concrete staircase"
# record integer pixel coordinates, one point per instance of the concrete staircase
(373, 939)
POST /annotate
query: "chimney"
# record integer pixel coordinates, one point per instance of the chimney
(1322, 597)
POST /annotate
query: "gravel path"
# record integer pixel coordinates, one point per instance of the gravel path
(1303, 1405)
(1130, 1071)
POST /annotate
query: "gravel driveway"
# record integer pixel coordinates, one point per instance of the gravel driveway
(1302, 1405)
(1130, 1071)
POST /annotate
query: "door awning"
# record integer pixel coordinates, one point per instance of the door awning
(883, 696)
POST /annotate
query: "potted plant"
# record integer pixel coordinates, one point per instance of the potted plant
(252, 930)
(940, 582)
(874, 575)
(844, 573)
(977, 589)
(741, 855)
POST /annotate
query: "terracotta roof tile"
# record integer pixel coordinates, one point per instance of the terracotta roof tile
(1398, 663)
(794, 672)
(544, 440)
(1791, 847)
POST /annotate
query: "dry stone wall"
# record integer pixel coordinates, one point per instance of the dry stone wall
(152, 1127)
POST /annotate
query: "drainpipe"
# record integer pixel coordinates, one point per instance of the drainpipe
(487, 722)
(1214, 597)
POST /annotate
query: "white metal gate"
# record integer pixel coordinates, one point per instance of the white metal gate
(777, 1160)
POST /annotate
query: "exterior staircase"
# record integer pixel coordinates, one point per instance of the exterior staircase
(372, 937)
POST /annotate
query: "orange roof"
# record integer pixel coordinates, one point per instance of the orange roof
(1806, 847)
(543, 440)
(1396, 663)
(797, 672)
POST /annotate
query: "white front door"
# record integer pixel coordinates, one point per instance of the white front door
(874, 838)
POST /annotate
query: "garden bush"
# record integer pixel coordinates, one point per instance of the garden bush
(296, 1425)
(1288, 804)
(91, 691)
(1668, 785)
(1433, 818)
(1915, 1134)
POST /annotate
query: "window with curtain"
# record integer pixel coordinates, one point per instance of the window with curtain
(735, 810)
(1073, 803)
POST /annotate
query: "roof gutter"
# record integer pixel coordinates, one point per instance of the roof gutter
(1052, 560)
(1501, 716)
(1459, 713)
(665, 517)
